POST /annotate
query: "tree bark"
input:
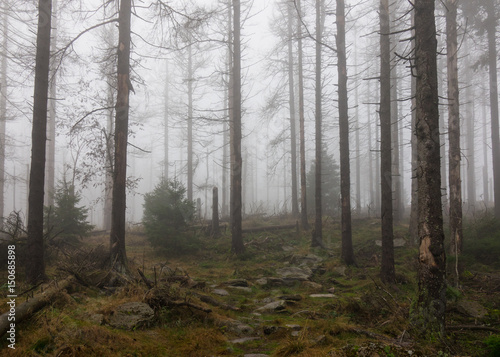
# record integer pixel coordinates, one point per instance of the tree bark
(35, 268)
(455, 185)
(413, 228)
(3, 110)
(215, 212)
(293, 132)
(387, 272)
(236, 160)
(317, 235)
(118, 215)
(190, 124)
(302, 144)
(345, 171)
(428, 316)
(495, 140)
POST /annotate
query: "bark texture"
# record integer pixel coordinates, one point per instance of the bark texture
(428, 315)
(455, 185)
(345, 170)
(387, 272)
(35, 268)
(119, 206)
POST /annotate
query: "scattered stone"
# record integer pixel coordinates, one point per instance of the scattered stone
(268, 330)
(287, 248)
(243, 340)
(237, 282)
(220, 292)
(131, 315)
(276, 282)
(295, 333)
(295, 273)
(241, 288)
(235, 326)
(294, 327)
(97, 319)
(295, 297)
(472, 309)
(331, 290)
(312, 285)
(268, 300)
(322, 296)
(340, 270)
(261, 281)
(278, 305)
(319, 340)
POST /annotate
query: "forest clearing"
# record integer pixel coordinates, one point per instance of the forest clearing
(281, 298)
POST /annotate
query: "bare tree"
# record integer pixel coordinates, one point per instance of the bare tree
(124, 86)
(35, 269)
(3, 110)
(429, 313)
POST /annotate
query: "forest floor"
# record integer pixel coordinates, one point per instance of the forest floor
(280, 298)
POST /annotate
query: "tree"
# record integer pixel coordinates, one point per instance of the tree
(429, 313)
(330, 184)
(3, 111)
(454, 129)
(117, 235)
(236, 160)
(167, 212)
(317, 236)
(35, 269)
(345, 172)
(387, 272)
(65, 219)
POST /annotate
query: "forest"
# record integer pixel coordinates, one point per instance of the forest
(249, 178)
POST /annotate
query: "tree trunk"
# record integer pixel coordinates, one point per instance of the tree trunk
(190, 125)
(454, 129)
(3, 113)
(51, 120)
(35, 268)
(413, 228)
(345, 172)
(236, 160)
(396, 171)
(495, 140)
(317, 236)
(293, 134)
(429, 314)
(215, 212)
(118, 215)
(387, 272)
(166, 115)
(303, 182)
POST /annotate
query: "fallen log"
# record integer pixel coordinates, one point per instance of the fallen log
(270, 228)
(28, 308)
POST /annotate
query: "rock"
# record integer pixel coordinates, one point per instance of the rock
(314, 296)
(255, 355)
(274, 282)
(399, 242)
(294, 327)
(331, 290)
(319, 340)
(340, 270)
(261, 281)
(244, 339)
(236, 327)
(237, 282)
(267, 300)
(312, 285)
(97, 319)
(268, 330)
(472, 309)
(241, 288)
(278, 305)
(131, 315)
(295, 273)
(295, 333)
(295, 297)
(287, 248)
(220, 292)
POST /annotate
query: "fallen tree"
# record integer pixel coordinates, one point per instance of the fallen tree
(28, 308)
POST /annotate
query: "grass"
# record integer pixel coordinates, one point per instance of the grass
(363, 310)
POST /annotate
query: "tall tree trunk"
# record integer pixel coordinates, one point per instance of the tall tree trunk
(429, 313)
(396, 172)
(453, 128)
(302, 144)
(117, 235)
(190, 124)
(293, 134)
(237, 163)
(51, 120)
(3, 109)
(387, 272)
(317, 236)
(495, 140)
(413, 228)
(371, 183)
(486, 193)
(166, 114)
(345, 172)
(35, 268)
